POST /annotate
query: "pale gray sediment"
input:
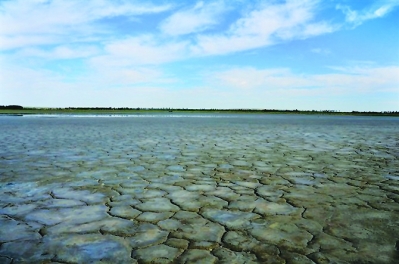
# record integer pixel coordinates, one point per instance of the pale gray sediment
(232, 189)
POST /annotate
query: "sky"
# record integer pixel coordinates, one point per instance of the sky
(227, 54)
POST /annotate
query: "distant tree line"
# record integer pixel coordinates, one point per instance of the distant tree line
(99, 108)
(244, 110)
(12, 107)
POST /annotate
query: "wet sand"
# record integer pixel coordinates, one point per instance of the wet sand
(199, 189)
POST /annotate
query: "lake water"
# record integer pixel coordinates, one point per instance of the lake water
(199, 188)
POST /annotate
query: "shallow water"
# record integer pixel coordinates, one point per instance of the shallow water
(199, 188)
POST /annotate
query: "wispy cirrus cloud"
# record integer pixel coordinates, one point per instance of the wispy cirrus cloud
(193, 20)
(141, 50)
(30, 23)
(40, 23)
(268, 24)
(379, 9)
(60, 52)
(263, 25)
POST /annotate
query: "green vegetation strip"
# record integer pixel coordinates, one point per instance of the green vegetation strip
(19, 110)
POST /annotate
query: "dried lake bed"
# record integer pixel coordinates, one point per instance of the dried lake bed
(211, 188)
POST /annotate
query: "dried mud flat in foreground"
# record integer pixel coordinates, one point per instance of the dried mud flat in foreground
(216, 189)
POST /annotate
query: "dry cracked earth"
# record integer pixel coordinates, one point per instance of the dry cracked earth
(199, 190)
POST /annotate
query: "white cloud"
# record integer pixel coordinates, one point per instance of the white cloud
(60, 52)
(141, 50)
(61, 22)
(377, 10)
(315, 29)
(271, 18)
(24, 16)
(25, 23)
(201, 17)
(220, 44)
(267, 25)
(11, 42)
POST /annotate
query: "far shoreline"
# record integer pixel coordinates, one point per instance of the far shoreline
(20, 111)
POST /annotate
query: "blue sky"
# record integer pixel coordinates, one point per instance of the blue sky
(272, 54)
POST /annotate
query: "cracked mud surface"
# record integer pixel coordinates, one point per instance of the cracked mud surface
(216, 189)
